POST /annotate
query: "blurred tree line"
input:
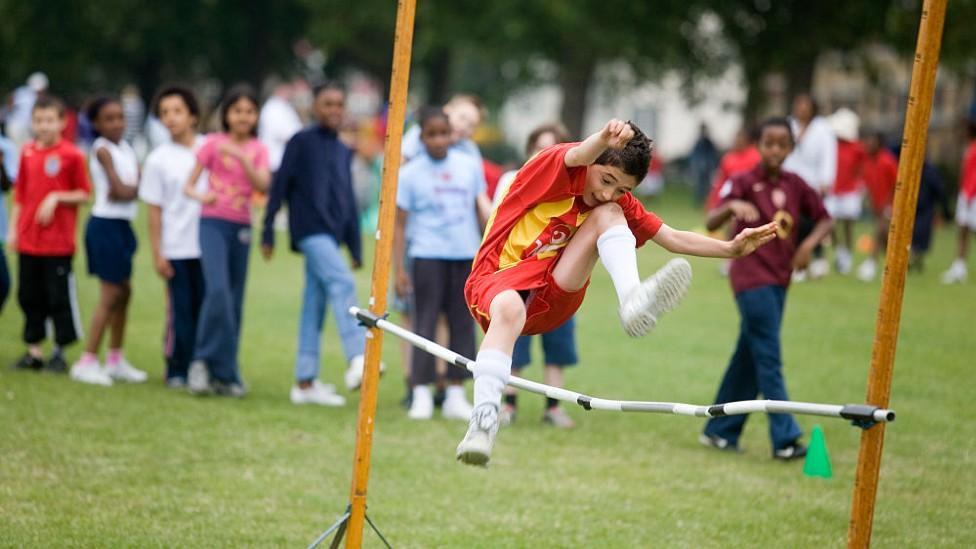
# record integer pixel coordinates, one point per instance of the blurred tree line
(492, 47)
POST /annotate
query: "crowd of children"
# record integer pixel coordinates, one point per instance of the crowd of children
(517, 266)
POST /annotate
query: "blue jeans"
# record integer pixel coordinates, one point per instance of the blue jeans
(327, 280)
(184, 297)
(756, 367)
(224, 249)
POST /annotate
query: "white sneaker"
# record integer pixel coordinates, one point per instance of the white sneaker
(422, 404)
(90, 372)
(319, 393)
(658, 294)
(123, 371)
(956, 274)
(456, 406)
(198, 378)
(475, 448)
(354, 373)
(867, 271)
(819, 268)
(844, 261)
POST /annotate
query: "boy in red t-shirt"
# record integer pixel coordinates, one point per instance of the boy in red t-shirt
(764, 195)
(965, 209)
(568, 207)
(51, 183)
(880, 173)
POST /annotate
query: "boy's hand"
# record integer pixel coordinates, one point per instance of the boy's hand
(45, 212)
(801, 259)
(403, 285)
(752, 238)
(744, 211)
(616, 134)
(163, 267)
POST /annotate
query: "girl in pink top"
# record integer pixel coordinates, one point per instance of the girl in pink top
(237, 164)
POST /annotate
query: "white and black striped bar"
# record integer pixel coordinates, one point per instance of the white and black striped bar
(855, 412)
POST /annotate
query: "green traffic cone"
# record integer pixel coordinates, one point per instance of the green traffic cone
(817, 462)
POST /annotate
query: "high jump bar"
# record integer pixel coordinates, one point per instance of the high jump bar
(862, 415)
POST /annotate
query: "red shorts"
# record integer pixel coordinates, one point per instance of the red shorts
(547, 306)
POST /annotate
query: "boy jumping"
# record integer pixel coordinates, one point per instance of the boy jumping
(568, 207)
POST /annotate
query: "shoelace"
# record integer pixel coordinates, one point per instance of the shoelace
(482, 417)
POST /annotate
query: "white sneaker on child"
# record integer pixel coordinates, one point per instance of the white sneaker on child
(658, 294)
(319, 393)
(123, 371)
(843, 260)
(422, 404)
(867, 271)
(354, 373)
(475, 448)
(456, 406)
(90, 372)
(956, 273)
(818, 268)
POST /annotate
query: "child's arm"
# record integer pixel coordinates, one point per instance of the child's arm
(483, 206)
(259, 178)
(801, 258)
(53, 199)
(190, 188)
(12, 225)
(117, 191)
(402, 278)
(739, 209)
(689, 243)
(163, 266)
(614, 135)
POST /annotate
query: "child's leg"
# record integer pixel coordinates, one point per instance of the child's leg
(240, 251)
(119, 317)
(429, 276)
(738, 383)
(763, 308)
(109, 299)
(849, 234)
(494, 362)
(461, 329)
(4, 278)
(180, 321)
(963, 242)
(312, 317)
(32, 297)
(215, 325)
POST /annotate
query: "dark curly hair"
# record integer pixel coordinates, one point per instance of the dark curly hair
(634, 158)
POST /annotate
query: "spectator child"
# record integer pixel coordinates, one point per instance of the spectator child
(843, 202)
(767, 195)
(315, 179)
(568, 207)
(110, 244)
(880, 173)
(742, 157)
(237, 164)
(440, 196)
(51, 183)
(174, 226)
(965, 210)
(559, 345)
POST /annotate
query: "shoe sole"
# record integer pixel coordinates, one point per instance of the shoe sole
(671, 285)
(473, 457)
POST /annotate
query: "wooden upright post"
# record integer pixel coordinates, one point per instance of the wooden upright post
(399, 83)
(896, 266)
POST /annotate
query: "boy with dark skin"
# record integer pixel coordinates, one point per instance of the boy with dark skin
(767, 194)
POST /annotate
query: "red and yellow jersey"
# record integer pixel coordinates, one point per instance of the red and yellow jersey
(538, 215)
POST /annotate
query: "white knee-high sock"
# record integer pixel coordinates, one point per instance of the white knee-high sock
(491, 372)
(618, 253)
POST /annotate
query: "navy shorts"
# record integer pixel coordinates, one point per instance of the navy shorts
(558, 347)
(110, 245)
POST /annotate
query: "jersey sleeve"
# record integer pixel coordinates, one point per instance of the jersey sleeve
(642, 223)
(151, 185)
(545, 177)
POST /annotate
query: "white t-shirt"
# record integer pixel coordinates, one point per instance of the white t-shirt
(163, 178)
(277, 124)
(814, 158)
(126, 166)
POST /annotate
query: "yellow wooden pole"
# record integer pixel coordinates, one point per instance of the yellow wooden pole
(896, 266)
(399, 83)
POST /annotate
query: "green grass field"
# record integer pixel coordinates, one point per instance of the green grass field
(141, 466)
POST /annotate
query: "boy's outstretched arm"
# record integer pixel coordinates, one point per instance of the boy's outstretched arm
(614, 135)
(689, 243)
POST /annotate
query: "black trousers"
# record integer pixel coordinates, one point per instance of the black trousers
(438, 287)
(45, 290)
